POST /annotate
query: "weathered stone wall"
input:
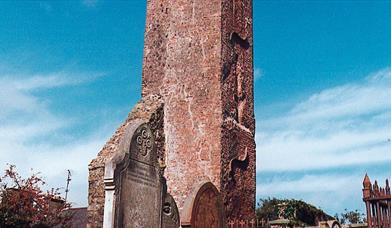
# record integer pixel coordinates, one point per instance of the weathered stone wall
(191, 90)
(149, 109)
(182, 63)
(205, 55)
(238, 144)
(155, 45)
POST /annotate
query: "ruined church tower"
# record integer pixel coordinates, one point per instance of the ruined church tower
(198, 57)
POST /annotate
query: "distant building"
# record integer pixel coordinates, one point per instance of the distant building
(79, 217)
(282, 223)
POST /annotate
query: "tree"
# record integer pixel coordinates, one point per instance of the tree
(297, 211)
(352, 217)
(23, 203)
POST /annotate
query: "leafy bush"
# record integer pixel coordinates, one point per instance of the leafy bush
(23, 203)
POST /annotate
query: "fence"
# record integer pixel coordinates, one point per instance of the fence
(246, 224)
(378, 204)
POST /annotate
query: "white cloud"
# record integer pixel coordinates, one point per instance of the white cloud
(258, 73)
(309, 183)
(48, 81)
(25, 116)
(45, 6)
(90, 3)
(333, 193)
(16, 92)
(344, 125)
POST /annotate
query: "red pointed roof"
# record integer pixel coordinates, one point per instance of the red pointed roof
(367, 181)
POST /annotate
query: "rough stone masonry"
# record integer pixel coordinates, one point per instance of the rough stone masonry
(198, 57)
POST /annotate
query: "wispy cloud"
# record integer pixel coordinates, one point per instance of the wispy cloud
(48, 81)
(345, 130)
(90, 3)
(333, 193)
(45, 6)
(28, 123)
(258, 73)
(345, 125)
(318, 183)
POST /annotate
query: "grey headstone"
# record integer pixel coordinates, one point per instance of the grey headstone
(170, 213)
(139, 194)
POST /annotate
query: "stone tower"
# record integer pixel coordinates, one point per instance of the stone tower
(198, 57)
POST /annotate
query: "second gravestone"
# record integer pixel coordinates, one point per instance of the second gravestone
(136, 191)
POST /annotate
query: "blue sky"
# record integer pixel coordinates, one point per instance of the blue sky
(71, 70)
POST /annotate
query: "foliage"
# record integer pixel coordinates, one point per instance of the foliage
(297, 211)
(351, 217)
(23, 203)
